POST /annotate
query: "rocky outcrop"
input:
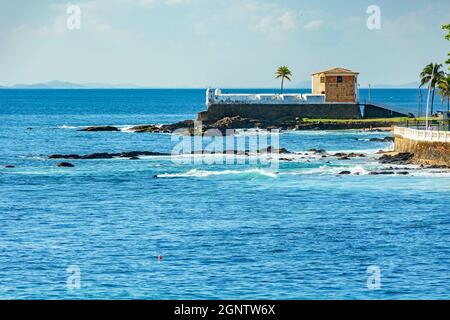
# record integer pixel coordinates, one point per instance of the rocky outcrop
(349, 155)
(105, 155)
(134, 155)
(385, 139)
(100, 128)
(65, 164)
(187, 125)
(403, 158)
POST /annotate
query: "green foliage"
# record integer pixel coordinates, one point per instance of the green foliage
(283, 72)
(446, 27)
(431, 75)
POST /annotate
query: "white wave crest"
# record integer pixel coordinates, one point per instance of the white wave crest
(207, 173)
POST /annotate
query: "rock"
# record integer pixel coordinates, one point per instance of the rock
(236, 122)
(321, 151)
(134, 158)
(354, 155)
(385, 139)
(65, 164)
(404, 173)
(285, 159)
(400, 158)
(345, 156)
(100, 128)
(382, 173)
(345, 172)
(145, 128)
(10, 166)
(62, 156)
(105, 155)
(273, 150)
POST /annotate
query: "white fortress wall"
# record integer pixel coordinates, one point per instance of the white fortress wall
(217, 97)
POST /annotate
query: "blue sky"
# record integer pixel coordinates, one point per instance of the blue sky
(219, 43)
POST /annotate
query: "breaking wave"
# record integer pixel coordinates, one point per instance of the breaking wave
(208, 173)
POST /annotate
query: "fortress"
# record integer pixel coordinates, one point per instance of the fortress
(334, 95)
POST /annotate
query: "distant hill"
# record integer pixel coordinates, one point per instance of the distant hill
(70, 85)
(409, 85)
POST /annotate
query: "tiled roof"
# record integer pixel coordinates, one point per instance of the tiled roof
(338, 71)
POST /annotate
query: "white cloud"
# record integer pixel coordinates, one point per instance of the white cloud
(287, 21)
(261, 16)
(314, 24)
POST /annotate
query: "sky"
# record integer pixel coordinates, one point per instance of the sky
(217, 43)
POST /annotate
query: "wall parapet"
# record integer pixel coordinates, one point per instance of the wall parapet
(423, 135)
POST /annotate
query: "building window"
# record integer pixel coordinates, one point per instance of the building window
(322, 79)
(340, 79)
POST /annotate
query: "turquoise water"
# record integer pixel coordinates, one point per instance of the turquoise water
(225, 231)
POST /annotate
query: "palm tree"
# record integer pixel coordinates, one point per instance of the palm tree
(444, 90)
(431, 74)
(283, 72)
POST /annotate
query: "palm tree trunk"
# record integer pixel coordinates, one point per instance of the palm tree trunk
(282, 83)
(428, 105)
(432, 101)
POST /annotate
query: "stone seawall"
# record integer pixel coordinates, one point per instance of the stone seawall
(268, 112)
(425, 152)
(273, 112)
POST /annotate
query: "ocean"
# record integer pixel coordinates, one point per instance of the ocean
(222, 231)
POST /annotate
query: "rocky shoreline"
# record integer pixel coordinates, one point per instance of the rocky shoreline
(224, 125)
(401, 160)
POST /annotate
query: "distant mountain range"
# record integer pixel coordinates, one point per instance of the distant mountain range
(70, 85)
(412, 85)
(56, 84)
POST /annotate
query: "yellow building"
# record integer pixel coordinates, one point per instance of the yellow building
(338, 85)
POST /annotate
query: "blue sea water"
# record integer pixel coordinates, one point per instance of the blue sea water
(235, 231)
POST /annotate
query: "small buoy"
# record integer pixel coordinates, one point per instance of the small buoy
(159, 258)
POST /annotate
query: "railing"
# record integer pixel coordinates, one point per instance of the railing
(423, 135)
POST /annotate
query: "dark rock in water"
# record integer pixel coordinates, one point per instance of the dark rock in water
(65, 164)
(146, 128)
(321, 151)
(187, 125)
(404, 173)
(285, 159)
(273, 150)
(66, 156)
(354, 155)
(100, 128)
(105, 155)
(30, 128)
(345, 172)
(382, 173)
(385, 139)
(400, 158)
(134, 158)
(10, 166)
(345, 156)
